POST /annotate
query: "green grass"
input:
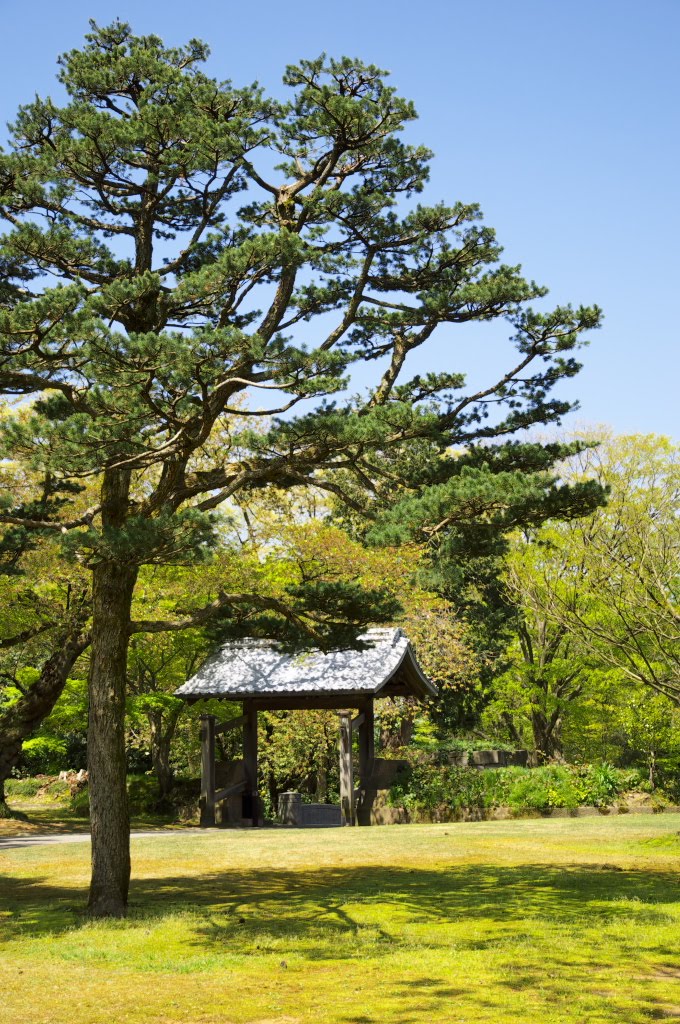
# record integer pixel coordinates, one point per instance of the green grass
(523, 921)
(36, 808)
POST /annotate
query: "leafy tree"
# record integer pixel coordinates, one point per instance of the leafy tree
(596, 602)
(44, 611)
(651, 727)
(169, 238)
(617, 589)
(299, 751)
(471, 505)
(157, 665)
(548, 667)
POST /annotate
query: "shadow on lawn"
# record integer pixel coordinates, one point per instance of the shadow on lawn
(358, 913)
(326, 900)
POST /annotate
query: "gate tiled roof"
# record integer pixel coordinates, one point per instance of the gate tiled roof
(384, 666)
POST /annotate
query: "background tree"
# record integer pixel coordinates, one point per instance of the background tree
(44, 613)
(595, 606)
(618, 591)
(157, 665)
(548, 667)
(160, 269)
(471, 504)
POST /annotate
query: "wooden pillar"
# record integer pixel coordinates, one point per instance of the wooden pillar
(207, 801)
(366, 744)
(251, 800)
(346, 768)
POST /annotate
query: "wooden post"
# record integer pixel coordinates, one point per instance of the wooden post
(346, 768)
(366, 744)
(207, 802)
(250, 798)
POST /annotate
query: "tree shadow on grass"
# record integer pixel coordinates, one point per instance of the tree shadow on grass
(305, 901)
(351, 914)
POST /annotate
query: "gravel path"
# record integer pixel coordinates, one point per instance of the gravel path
(20, 842)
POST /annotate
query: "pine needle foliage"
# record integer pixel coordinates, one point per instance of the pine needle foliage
(184, 258)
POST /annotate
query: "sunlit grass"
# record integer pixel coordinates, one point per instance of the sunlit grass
(529, 921)
(44, 814)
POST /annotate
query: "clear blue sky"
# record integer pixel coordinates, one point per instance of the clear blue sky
(559, 118)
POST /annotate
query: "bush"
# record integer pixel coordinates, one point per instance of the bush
(138, 760)
(542, 789)
(23, 787)
(424, 740)
(28, 787)
(80, 802)
(142, 797)
(76, 750)
(427, 785)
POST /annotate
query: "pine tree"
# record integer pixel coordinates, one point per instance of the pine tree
(171, 241)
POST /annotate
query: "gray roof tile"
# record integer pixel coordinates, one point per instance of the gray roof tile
(258, 668)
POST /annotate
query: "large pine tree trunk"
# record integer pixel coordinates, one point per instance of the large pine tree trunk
(113, 585)
(112, 588)
(21, 720)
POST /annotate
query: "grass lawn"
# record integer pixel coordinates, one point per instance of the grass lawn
(42, 819)
(544, 921)
(45, 814)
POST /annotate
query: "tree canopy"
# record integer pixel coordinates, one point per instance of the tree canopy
(179, 250)
(613, 577)
(594, 601)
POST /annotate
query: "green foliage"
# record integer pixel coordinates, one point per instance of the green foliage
(425, 737)
(44, 755)
(142, 794)
(430, 785)
(80, 802)
(595, 602)
(270, 214)
(298, 751)
(30, 787)
(610, 581)
(143, 798)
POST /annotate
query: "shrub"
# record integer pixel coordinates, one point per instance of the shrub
(428, 785)
(80, 802)
(142, 794)
(23, 787)
(138, 760)
(54, 788)
(542, 789)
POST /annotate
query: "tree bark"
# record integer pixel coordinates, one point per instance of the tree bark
(547, 736)
(321, 785)
(20, 721)
(112, 588)
(161, 743)
(509, 723)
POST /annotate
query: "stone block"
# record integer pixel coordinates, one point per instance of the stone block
(290, 809)
(321, 815)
